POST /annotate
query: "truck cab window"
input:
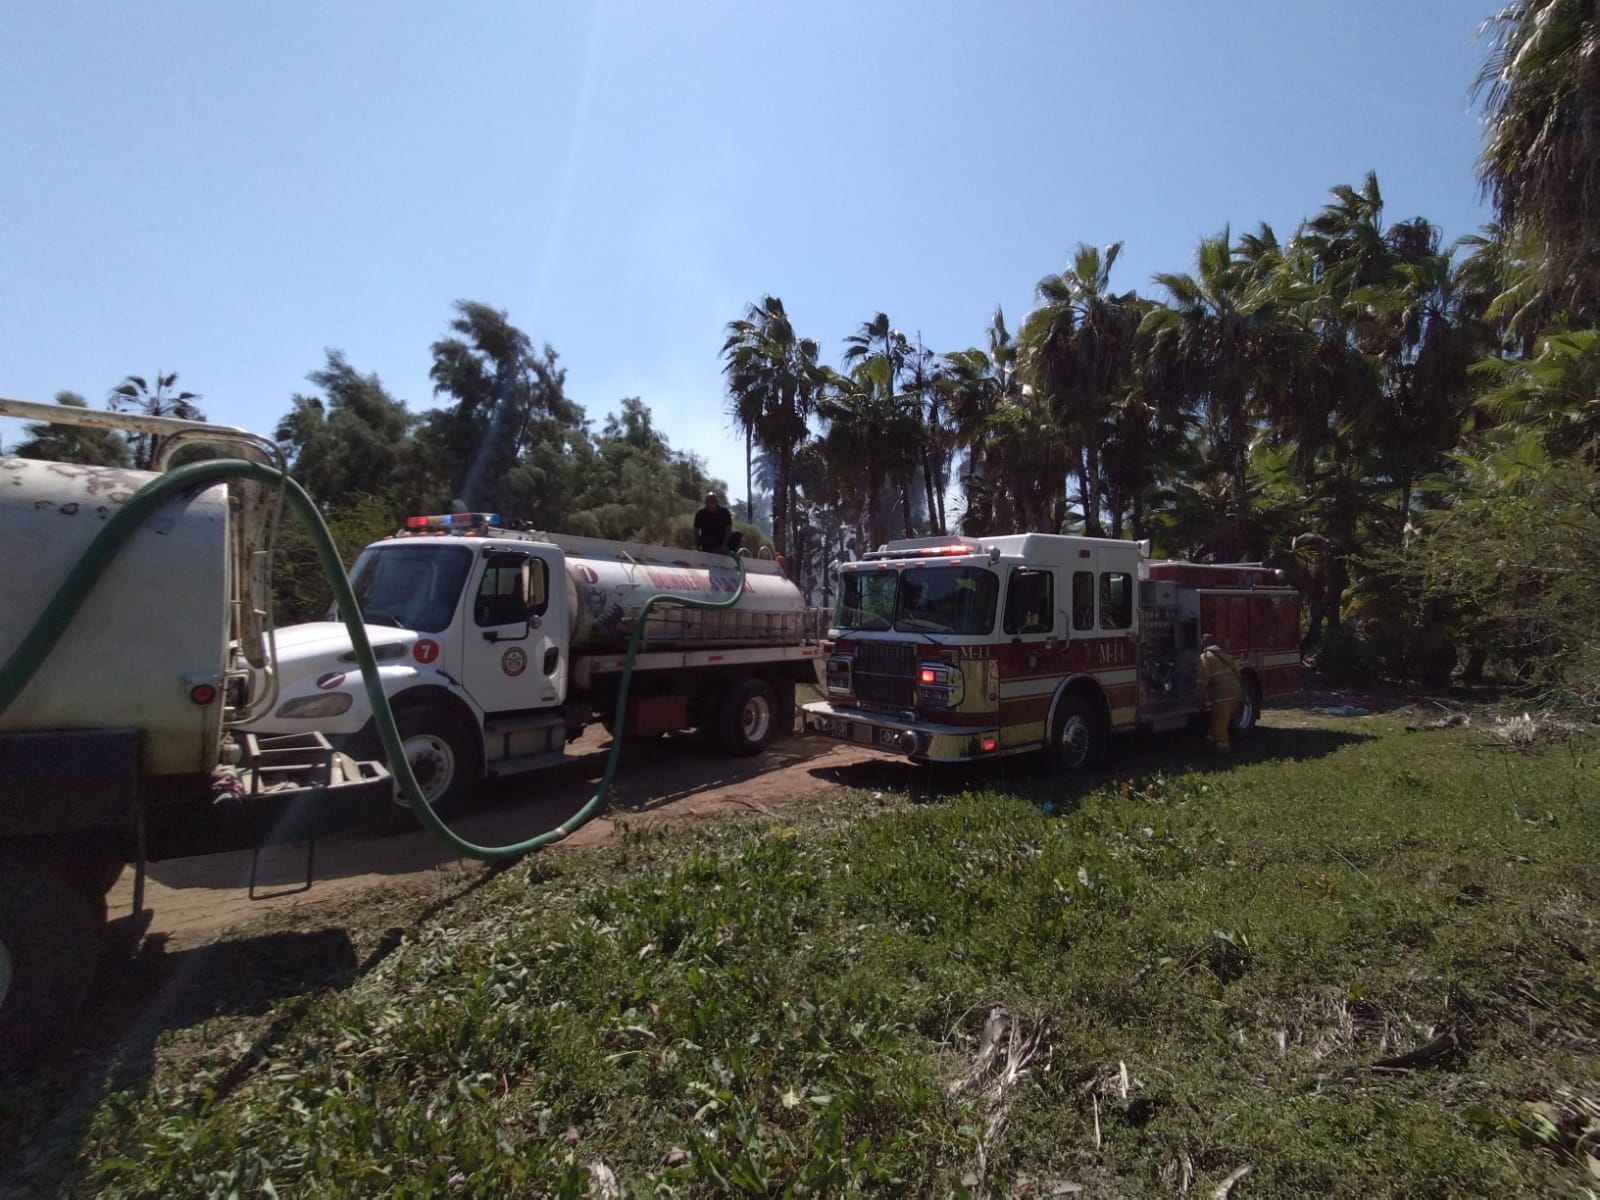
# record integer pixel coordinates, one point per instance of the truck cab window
(513, 588)
(411, 587)
(1083, 599)
(1030, 601)
(1116, 600)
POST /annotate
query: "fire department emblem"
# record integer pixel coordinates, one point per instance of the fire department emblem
(514, 661)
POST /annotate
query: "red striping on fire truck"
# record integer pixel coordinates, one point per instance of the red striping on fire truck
(956, 649)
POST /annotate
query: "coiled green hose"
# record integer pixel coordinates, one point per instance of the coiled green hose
(32, 651)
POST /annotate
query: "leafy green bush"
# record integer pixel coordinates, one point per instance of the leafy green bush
(1347, 658)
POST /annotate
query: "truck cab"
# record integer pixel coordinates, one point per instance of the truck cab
(469, 624)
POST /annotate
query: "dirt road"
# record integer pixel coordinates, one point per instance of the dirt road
(668, 781)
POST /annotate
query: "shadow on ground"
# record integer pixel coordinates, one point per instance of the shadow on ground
(45, 1115)
(654, 773)
(1131, 757)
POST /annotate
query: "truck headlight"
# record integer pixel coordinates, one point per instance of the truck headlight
(839, 674)
(940, 684)
(305, 708)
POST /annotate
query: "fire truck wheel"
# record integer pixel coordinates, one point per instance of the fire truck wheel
(1077, 740)
(749, 717)
(441, 754)
(50, 939)
(1248, 712)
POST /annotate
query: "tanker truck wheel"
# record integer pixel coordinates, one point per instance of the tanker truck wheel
(749, 717)
(50, 939)
(442, 755)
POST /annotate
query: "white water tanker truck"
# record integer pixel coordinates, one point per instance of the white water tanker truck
(497, 646)
(121, 700)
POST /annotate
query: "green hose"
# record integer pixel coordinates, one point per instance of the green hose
(32, 651)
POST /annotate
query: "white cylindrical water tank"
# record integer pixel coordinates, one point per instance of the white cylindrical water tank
(155, 624)
(605, 595)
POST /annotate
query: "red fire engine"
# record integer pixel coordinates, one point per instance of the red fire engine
(957, 649)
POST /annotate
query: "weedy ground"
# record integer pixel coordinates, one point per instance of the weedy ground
(1353, 961)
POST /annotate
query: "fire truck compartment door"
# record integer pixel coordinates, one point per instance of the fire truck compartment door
(514, 656)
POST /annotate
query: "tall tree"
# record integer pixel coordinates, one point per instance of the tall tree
(922, 374)
(353, 440)
(637, 488)
(1080, 345)
(975, 383)
(1224, 330)
(73, 443)
(1540, 90)
(1554, 394)
(134, 394)
(774, 372)
(507, 439)
(874, 435)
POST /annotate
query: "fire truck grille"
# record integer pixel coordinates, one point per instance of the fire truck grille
(885, 673)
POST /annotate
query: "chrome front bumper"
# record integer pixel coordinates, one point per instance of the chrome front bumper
(901, 733)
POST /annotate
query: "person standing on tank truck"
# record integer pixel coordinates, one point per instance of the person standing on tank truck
(1220, 688)
(713, 527)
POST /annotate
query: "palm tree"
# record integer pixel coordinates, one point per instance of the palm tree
(773, 376)
(1555, 393)
(974, 384)
(134, 394)
(1540, 90)
(1149, 418)
(745, 407)
(1500, 282)
(876, 343)
(1426, 351)
(1224, 330)
(1080, 344)
(873, 435)
(922, 383)
(73, 443)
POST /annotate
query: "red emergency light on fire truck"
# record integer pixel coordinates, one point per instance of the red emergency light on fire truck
(957, 649)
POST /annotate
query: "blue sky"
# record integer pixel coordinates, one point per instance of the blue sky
(224, 190)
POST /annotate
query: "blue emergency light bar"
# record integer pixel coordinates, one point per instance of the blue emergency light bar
(453, 521)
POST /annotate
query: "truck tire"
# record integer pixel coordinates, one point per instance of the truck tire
(1077, 737)
(1248, 712)
(443, 756)
(51, 935)
(749, 718)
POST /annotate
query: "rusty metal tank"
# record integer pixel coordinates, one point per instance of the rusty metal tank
(155, 625)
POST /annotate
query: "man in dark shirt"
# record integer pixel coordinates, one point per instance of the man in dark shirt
(712, 525)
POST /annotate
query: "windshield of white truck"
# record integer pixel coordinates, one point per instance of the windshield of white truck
(411, 587)
(956, 600)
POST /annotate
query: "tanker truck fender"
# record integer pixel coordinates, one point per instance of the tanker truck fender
(303, 704)
(443, 737)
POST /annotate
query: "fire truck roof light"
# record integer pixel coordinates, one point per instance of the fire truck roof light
(453, 521)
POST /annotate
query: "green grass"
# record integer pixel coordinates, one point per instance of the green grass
(1206, 967)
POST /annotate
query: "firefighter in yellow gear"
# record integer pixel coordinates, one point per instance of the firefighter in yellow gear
(1219, 688)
